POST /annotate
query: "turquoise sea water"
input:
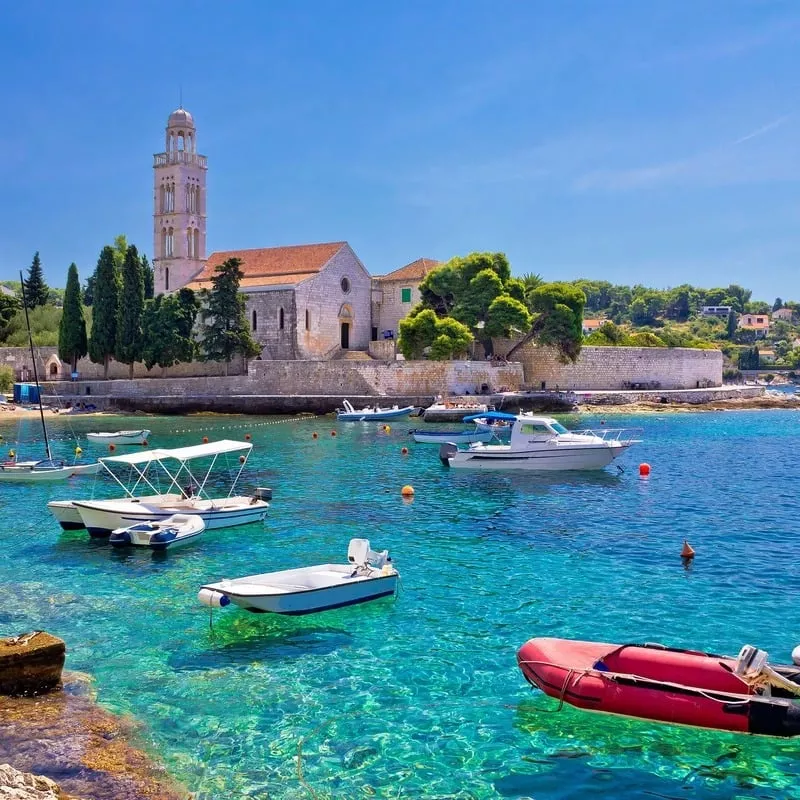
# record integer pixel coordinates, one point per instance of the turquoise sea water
(420, 697)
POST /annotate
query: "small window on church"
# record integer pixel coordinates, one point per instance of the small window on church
(345, 284)
(280, 319)
(405, 295)
(255, 320)
(308, 326)
(166, 279)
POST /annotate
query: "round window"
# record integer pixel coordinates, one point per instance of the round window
(345, 285)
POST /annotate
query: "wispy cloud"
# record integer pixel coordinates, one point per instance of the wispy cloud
(763, 129)
(716, 165)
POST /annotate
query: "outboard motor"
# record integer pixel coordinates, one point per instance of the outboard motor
(361, 555)
(263, 493)
(446, 452)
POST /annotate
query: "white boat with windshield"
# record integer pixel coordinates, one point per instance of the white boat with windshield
(541, 443)
(119, 437)
(185, 492)
(367, 576)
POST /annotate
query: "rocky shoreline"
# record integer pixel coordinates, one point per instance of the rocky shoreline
(88, 752)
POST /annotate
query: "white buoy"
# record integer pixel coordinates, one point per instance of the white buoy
(212, 599)
(796, 656)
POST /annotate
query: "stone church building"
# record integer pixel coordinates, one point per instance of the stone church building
(308, 301)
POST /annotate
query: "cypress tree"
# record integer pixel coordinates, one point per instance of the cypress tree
(168, 323)
(732, 325)
(225, 330)
(36, 290)
(149, 279)
(72, 343)
(103, 340)
(128, 348)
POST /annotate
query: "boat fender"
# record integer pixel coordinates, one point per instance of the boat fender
(212, 599)
(796, 656)
(120, 539)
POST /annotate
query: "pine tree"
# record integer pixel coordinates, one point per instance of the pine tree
(72, 343)
(36, 290)
(149, 278)
(225, 330)
(129, 320)
(103, 340)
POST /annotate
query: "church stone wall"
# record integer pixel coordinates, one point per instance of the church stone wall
(276, 343)
(392, 308)
(328, 306)
(600, 368)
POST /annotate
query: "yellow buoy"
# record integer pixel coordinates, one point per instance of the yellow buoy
(78, 451)
(407, 491)
(387, 428)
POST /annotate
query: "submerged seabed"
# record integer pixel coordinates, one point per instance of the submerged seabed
(420, 696)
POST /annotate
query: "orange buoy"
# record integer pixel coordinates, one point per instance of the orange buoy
(314, 435)
(687, 551)
(112, 447)
(205, 440)
(247, 437)
(144, 442)
(407, 491)
(333, 433)
(404, 451)
(644, 470)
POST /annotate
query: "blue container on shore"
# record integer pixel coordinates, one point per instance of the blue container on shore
(26, 393)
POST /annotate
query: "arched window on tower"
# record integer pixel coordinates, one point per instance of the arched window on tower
(164, 242)
(166, 279)
(308, 321)
(161, 199)
(280, 318)
(170, 248)
(181, 141)
(171, 208)
(189, 243)
(254, 321)
(196, 238)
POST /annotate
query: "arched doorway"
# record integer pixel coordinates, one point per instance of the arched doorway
(345, 326)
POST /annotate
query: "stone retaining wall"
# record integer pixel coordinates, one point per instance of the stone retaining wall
(621, 368)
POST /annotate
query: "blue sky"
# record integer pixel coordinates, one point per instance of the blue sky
(638, 142)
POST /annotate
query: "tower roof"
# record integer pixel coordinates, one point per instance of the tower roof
(180, 118)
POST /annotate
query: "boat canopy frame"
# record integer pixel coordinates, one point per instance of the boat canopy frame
(183, 455)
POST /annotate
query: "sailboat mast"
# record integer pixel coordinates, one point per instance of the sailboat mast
(35, 373)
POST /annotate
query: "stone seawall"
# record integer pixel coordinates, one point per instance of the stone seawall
(622, 368)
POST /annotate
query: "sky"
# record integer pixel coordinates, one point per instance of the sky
(629, 141)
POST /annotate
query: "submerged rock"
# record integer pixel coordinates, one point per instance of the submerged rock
(86, 750)
(31, 663)
(16, 785)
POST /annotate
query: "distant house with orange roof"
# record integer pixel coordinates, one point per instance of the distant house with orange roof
(591, 325)
(786, 314)
(395, 294)
(755, 322)
(303, 301)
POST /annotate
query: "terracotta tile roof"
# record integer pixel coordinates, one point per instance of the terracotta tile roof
(415, 271)
(269, 266)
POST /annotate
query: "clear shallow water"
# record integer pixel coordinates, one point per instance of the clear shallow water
(420, 697)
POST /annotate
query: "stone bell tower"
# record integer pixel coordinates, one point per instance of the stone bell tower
(179, 206)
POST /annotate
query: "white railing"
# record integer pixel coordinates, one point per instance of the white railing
(613, 434)
(179, 157)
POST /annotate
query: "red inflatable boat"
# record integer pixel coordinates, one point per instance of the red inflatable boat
(683, 687)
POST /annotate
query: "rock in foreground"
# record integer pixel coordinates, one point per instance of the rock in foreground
(16, 785)
(30, 663)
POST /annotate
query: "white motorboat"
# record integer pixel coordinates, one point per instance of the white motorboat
(367, 576)
(451, 410)
(119, 437)
(169, 533)
(350, 414)
(48, 469)
(69, 518)
(467, 436)
(541, 443)
(149, 468)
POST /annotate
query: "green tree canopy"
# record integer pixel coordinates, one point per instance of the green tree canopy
(167, 327)
(36, 290)
(72, 342)
(128, 348)
(105, 310)
(225, 329)
(446, 337)
(149, 278)
(507, 316)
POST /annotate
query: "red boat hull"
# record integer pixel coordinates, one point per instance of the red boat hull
(653, 682)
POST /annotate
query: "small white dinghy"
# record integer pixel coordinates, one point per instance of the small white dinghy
(119, 437)
(367, 576)
(162, 534)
